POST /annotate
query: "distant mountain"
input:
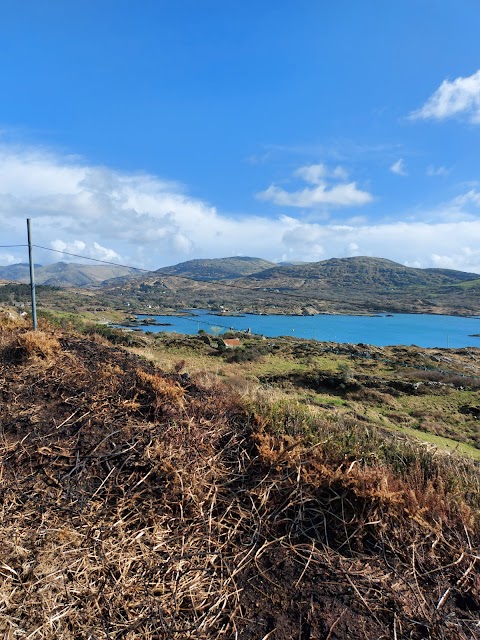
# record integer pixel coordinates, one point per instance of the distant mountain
(356, 272)
(367, 284)
(217, 268)
(64, 274)
(339, 285)
(17, 272)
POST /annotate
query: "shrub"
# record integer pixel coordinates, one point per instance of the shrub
(35, 345)
(114, 336)
(249, 354)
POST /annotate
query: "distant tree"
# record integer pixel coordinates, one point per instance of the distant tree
(216, 330)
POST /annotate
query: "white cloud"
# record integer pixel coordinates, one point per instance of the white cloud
(447, 245)
(471, 197)
(353, 248)
(399, 168)
(459, 97)
(317, 173)
(343, 195)
(433, 171)
(355, 220)
(259, 159)
(7, 258)
(77, 246)
(340, 194)
(468, 256)
(142, 220)
(103, 253)
(105, 214)
(314, 173)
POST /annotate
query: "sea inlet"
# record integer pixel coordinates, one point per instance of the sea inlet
(382, 330)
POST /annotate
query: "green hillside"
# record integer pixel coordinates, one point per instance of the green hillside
(217, 268)
(374, 273)
(347, 285)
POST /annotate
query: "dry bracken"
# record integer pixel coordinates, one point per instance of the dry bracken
(136, 504)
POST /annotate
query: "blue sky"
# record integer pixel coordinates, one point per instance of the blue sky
(153, 132)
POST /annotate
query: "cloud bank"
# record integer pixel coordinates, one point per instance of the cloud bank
(451, 245)
(110, 215)
(456, 98)
(321, 193)
(143, 220)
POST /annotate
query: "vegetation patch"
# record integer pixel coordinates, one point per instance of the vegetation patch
(143, 504)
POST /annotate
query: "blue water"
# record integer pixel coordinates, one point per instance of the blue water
(406, 329)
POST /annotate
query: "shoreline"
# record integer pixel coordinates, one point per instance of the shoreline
(422, 330)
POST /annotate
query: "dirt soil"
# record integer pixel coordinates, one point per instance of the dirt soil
(136, 504)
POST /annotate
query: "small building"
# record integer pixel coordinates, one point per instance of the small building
(230, 343)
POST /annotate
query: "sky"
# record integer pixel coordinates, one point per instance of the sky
(158, 131)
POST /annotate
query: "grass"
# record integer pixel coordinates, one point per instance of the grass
(344, 439)
(431, 418)
(138, 504)
(83, 324)
(441, 414)
(447, 444)
(469, 284)
(80, 318)
(290, 364)
(323, 400)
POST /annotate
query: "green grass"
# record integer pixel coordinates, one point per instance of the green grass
(288, 368)
(442, 443)
(469, 284)
(441, 416)
(321, 400)
(83, 324)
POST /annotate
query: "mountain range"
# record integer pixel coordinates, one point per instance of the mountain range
(245, 284)
(339, 285)
(64, 274)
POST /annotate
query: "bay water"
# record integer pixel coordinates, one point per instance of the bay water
(381, 330)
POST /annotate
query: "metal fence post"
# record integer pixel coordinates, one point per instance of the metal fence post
(32, 277)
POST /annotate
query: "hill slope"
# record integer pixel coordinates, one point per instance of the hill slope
(217, 268)
(64, 274)
(138, 504)
(348, 285)
(360, 272)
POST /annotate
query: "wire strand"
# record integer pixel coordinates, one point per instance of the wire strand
(76, 255)
(194, 320)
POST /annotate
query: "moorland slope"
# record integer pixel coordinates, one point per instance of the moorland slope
(348, 285)
(217, 268)
(143, 504)
(359, 285)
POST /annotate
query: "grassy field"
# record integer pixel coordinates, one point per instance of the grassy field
(270, 492)
(431, 394)
(398, 389)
